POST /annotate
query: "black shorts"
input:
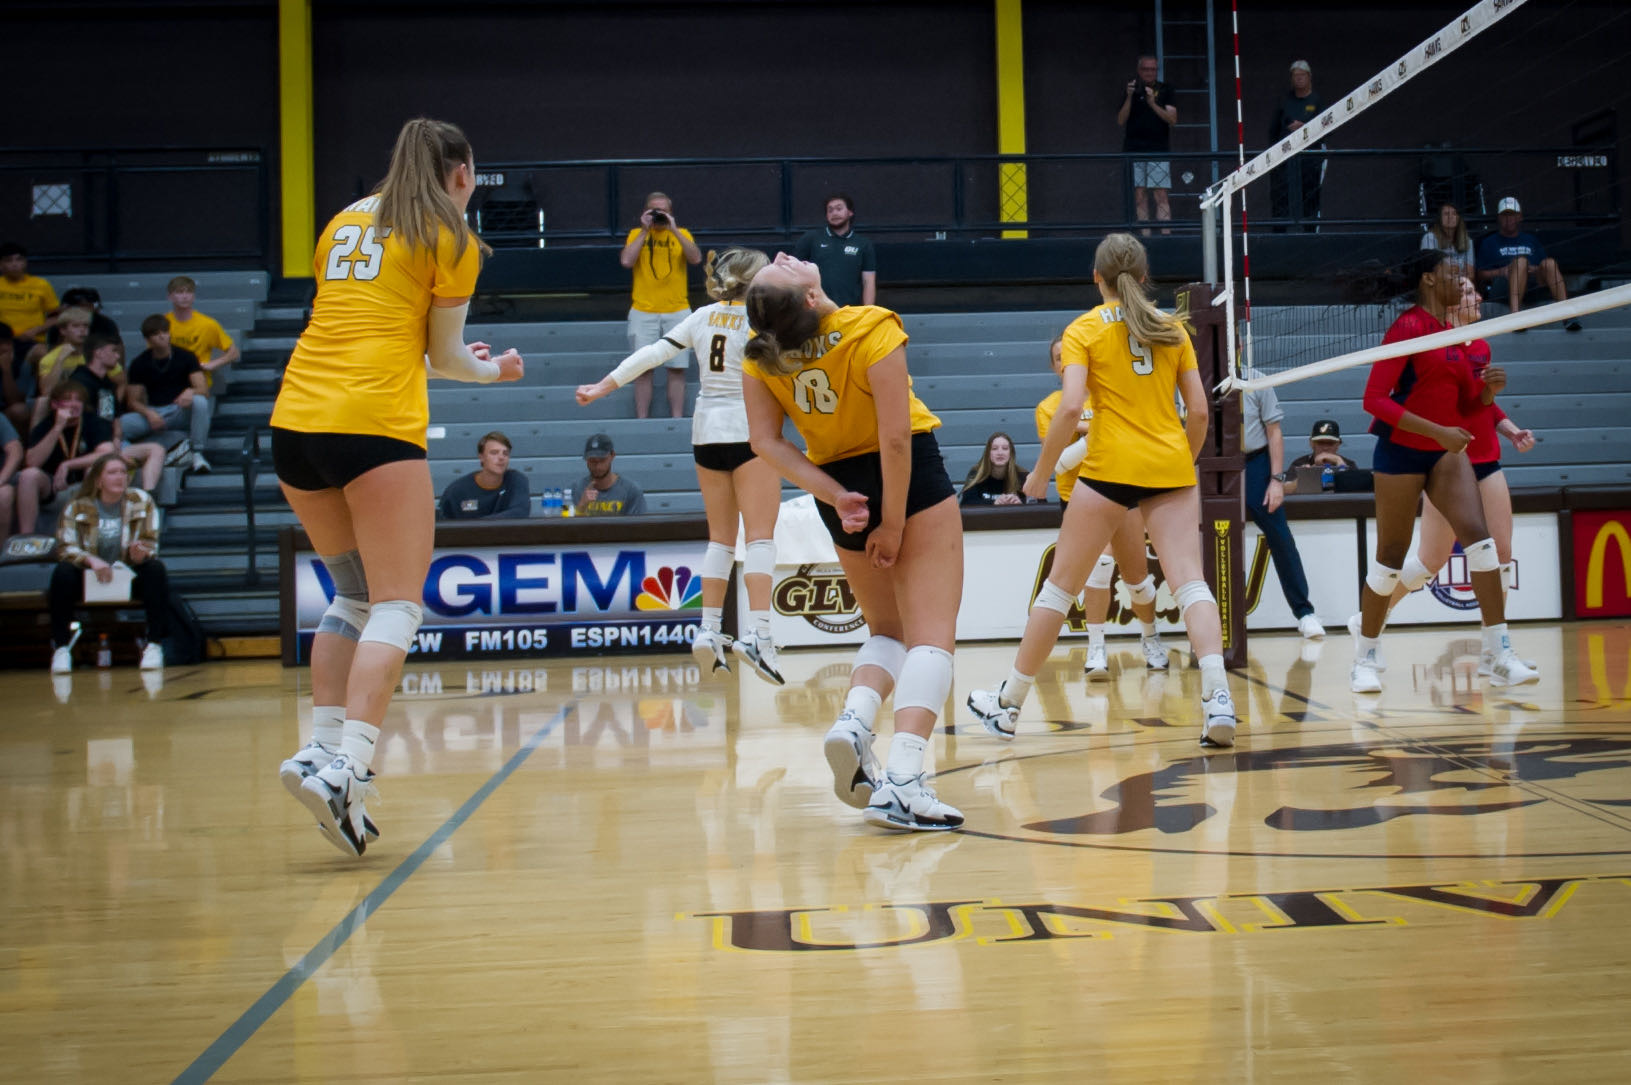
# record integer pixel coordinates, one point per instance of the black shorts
(722, 457)
(332, 461)
(1391, 458)
(928, 487)
(1481, 471)
(1125, 494)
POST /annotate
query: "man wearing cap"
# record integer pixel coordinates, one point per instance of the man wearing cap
(1260, 437)
(1299, 106)
(603, 492)
(1325, 444)
(1506, 257)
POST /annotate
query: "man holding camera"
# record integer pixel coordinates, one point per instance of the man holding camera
(658, 252)
(1146, 117)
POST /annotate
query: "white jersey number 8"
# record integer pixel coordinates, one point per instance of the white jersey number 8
(347, 240)
(1143, 360)
(812, 385)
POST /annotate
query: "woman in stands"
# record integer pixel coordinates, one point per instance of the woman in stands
(1126, 545)
(1132, 358)
(874, 467)
(1449, 236)
(1488, 424)
(733, 480)
(1425, 405)
(395, 273)
(109, 521)
(996, 479)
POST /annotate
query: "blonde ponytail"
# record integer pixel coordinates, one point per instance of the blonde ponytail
(413, 200)
(728, 274)
(1121, 262)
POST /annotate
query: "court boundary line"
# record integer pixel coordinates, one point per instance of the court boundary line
(233, 1038)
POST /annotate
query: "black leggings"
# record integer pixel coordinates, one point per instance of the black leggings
(152, 587)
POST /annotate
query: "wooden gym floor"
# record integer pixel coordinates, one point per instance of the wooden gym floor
(617, 873)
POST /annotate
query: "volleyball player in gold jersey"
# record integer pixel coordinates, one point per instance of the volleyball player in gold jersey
(874, 467)
(1126, 546)
(395, 273)
(1131, 357)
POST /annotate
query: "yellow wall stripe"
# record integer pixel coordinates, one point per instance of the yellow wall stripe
(1012, 184)
(298, 173)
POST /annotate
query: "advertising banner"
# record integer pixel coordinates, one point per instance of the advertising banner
(493, 602)
(1602, 563)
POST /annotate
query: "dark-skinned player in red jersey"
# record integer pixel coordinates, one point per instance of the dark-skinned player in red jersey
(1422, 404)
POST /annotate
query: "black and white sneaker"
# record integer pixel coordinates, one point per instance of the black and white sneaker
(759, 652)
(855, 769)
(1000, 720)
(305, 762)
(910, 806)
(1219, 729)
(713, 653)
(335, 795)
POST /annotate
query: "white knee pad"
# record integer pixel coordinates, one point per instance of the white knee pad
(717, 562)
(1191, 592)
(885, 653)
(393, 622)
(1414, 576)
(348, 613)
(1481, 557)
(761, 558)
(1143, 592)
(1381, 579)
(1053, 597)
(1103, 570)
(925, 679)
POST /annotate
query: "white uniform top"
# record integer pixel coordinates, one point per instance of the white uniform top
(718, 333)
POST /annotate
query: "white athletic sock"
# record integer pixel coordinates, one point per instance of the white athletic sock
(1095, 635)
(328, 725)
(862, 702)
(1015, 689)
(1213, 675)
(1147, 627)
(1365, 647)
(713, 619)
(358, 743)
(905, 756)
(760, 620)
(1495, 638)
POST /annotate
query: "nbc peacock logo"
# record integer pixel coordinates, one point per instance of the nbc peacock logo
(670, 589)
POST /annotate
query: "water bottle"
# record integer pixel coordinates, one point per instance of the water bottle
(567, 507)
(104, 652)
(552, 502)
(1328, 476)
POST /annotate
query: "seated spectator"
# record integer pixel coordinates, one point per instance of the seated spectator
(167, 390)
(50, 365)
(494, 492)
(11, 462)
(1325, 449)
(1449, 236)
(26, 301)
(15, 392)
(108, 521)
(1507, 256)
(996, 479)
(603, 492)
(102, 399)
(58, 451)
(196, 333)
(88, 298)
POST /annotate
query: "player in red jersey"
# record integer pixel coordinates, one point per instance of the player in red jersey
(1422, 403)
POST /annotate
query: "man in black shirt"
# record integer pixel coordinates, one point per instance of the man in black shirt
(493, 493)
(102, 395)
(1147, 116)
(849, 268)
(1298, 107)
(60, 447)
(167, 390)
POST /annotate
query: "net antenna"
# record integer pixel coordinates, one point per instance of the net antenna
(1452, 36)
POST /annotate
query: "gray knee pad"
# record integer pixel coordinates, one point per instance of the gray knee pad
(925, 679)
(1053, 597)
(1103, 571)
(348, 613)
(885, 653)
(393, 622)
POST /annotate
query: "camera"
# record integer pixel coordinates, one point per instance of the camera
(659, 218)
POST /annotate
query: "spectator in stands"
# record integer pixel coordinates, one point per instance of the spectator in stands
(11, 461)
(657, 252)
(58, 451)
(14, 393)
(1448, 234)
(603, 492)
(849, 267)
(56, 362)
(492, 493)
(996, 479)
(167, 389)
(1266, 477)
(109, 521)
(26, 301)
(1147, 115)
(1297, 107)
(197, 333)
(1506, 257)
(1325, 448)
(88, 298)
(104, 393)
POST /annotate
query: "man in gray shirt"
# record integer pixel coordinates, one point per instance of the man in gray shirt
(603, 492)
(493, 493)
(1264, 446)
